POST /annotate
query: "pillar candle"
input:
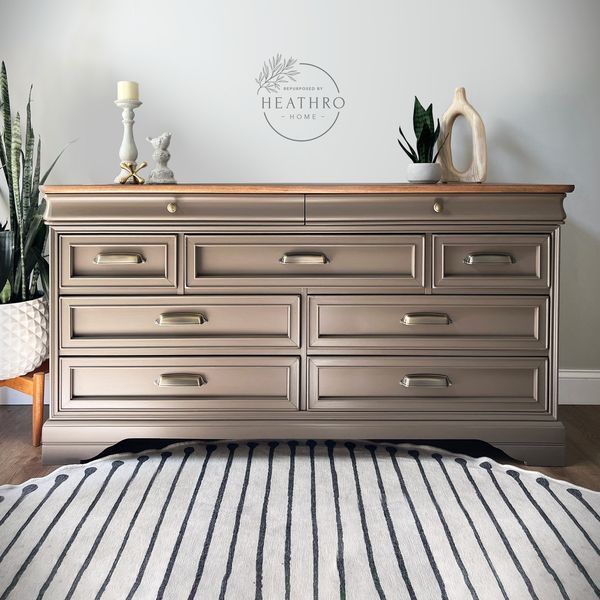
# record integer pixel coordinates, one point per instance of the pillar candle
(128, 90)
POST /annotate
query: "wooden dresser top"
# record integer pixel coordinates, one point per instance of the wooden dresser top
(314, 188)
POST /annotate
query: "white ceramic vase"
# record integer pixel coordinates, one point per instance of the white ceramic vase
(424, 172)
(23, 337)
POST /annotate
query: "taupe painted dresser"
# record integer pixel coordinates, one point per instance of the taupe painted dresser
(305, 311)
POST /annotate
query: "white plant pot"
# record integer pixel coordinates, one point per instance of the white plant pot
(23, 337)
(424, 172)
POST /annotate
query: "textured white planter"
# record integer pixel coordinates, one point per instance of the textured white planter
(23, 336)
(424, 172)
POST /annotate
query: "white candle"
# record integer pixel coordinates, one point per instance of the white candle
(128, 90)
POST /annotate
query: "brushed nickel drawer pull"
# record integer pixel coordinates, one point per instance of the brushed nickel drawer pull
(426, 380)
(425, 319)
(119, 258)
(181, 318)
(180, 380)
(304, 258)
(480, 258)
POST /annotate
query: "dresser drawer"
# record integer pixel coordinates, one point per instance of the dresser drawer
(428, 385)
(115, 263)
(177, 385)
(305, 260)
(503, 263)
(426, 322)
(198, 322)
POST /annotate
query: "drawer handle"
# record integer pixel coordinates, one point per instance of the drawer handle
(426, 380)
(119, 258)
(497, 258)
(180, 380)
(181, 318)
(425, 319)
(304, 258)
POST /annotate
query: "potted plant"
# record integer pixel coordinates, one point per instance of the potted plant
(23, 266)
(423, 168)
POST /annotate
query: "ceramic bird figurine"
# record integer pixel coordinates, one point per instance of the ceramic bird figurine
(161, 155)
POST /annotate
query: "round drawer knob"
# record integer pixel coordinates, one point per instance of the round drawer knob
(438, 207)
(172, 207)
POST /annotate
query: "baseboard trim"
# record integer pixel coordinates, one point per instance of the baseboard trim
(577, 386)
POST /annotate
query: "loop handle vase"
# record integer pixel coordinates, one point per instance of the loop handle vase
(476, 172)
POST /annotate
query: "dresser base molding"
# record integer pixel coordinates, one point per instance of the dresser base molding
(539, 443)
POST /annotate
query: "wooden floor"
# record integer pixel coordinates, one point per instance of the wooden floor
(19, 461)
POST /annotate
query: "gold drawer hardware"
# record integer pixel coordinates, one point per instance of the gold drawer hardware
(480, 258)
(181, 318)
(172, 207)
(425, 380)
(180, 380)
(425, 319)
(304, 258)
(438, 206)
(119, 258)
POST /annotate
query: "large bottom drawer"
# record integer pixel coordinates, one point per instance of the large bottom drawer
(428, 385)
(172, 385)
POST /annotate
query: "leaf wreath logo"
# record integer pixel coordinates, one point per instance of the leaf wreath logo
(300, 101)
(276, 72)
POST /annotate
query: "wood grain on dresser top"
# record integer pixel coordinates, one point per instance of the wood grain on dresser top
(364, 310)
(314, 188)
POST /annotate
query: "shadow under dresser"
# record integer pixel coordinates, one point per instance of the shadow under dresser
(305, 311)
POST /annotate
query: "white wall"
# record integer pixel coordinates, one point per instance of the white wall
(529, 66)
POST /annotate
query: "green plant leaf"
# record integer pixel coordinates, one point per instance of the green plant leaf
(440, 146)
(6, 256)
(421, 117)
(43, 269)
(425, 144)
(15, 167)
(28, 161)
(35, 184)
(45, 176)
(411, 151)
(6, 293)
(7, 140)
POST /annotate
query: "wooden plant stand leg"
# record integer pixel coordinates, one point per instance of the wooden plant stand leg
(33, 385)
(37, 408)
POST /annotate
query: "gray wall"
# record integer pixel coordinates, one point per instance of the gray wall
(529, 66)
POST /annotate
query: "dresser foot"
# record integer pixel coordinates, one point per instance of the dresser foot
(537, 455)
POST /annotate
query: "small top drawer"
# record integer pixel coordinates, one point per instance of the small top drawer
(117, 263)
(305, 260)
(503, 263)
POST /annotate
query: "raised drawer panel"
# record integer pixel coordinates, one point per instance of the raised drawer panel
(457, 323)
(306, 260)
(386, 208)
(177, 385)
(504, 263)
(198, 322)
(427, 385)
(118, 263)
(200, 208)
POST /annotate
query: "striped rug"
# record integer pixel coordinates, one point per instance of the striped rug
(298, 520)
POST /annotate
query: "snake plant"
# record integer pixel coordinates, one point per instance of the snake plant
(23, 266)
(425, 133)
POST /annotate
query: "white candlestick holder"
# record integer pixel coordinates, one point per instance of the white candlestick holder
(128, 152)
